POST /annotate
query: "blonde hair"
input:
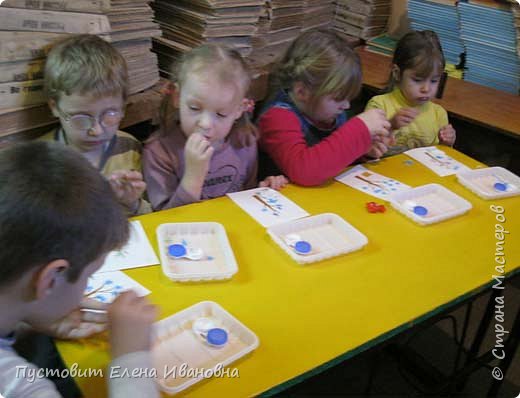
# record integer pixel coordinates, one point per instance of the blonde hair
(420, 51)
(323, 62)
(228, 66)
(86, 65)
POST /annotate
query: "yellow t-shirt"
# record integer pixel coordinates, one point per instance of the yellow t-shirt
(422, 131)
(124, 154)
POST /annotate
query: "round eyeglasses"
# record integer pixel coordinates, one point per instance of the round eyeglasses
(108, 119)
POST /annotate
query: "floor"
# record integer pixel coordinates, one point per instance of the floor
(394, 377)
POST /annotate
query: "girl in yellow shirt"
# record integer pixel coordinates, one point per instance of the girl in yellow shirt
(418, 64)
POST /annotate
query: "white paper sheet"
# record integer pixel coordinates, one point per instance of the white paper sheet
(437, 161)
(267, 206)
(106, 286)
(371, 183)
(138, 252)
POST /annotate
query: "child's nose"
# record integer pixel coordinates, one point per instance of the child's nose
(425, 87)
(205, 121)
(96, 129)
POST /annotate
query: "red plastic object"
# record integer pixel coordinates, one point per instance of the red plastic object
(373, 207)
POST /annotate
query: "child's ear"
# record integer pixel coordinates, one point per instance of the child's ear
(48, 277)
(301, 92)
(247, 106)
(396, 73)
(53, 106)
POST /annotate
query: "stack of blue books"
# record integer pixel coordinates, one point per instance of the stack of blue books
(489, 34)
(440, 16)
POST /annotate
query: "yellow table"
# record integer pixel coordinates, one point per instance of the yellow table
(308, 316)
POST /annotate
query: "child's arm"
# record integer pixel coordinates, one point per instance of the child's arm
(161, 172)
(130, 321)
(15, 380)
(197, 156)
(403, 117)
(282, 138)
(88, 319)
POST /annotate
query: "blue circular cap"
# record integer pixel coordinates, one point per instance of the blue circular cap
(302, 247)
(217, 336)
(176, 250)
(500, 186)
(420, 210)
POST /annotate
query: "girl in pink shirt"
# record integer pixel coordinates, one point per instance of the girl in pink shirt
(206, 146)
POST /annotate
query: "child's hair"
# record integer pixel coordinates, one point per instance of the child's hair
(86, 65)
(228, 66)
(420, 51)
(323, 62)
(55, 205)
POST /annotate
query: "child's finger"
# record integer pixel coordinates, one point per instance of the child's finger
(208, 152)
(380, 149)
(86, 330)
(133, 175)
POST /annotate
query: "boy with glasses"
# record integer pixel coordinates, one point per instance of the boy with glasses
(86, 83)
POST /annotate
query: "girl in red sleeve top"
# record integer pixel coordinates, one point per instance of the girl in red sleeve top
(303, 127)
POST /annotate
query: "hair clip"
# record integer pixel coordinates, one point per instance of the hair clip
(167, 89)
(249, 105)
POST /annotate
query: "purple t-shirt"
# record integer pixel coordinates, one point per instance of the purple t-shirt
(231, 169)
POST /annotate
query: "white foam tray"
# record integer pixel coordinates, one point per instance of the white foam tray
(441, 203)
(174, 344)
(219, 262)
(482, 181)
(328, 233)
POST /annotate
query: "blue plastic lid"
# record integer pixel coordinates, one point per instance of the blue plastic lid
(420, 210)
(176, 250)
(500, 186)
(302, 247)
(217, 337)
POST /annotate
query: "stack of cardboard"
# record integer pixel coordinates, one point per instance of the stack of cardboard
(188, 23)
(318, 14)
(132, 28)
(280, 23)
(362, 18)
(29, 27)
(489, 34)
(442, 17)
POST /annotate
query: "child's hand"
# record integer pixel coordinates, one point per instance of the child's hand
(130, 319)
(377, 149)
(275, 182)
(380, 145)
(376, 122)
(447, 135)
(403, 117)
(80, 323)
(128, 185)
(197, 155)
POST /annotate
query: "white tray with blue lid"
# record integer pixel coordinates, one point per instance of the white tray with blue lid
(196, 343)
(429, 204)
(491, 182)
(316, 238)
(197, 251)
